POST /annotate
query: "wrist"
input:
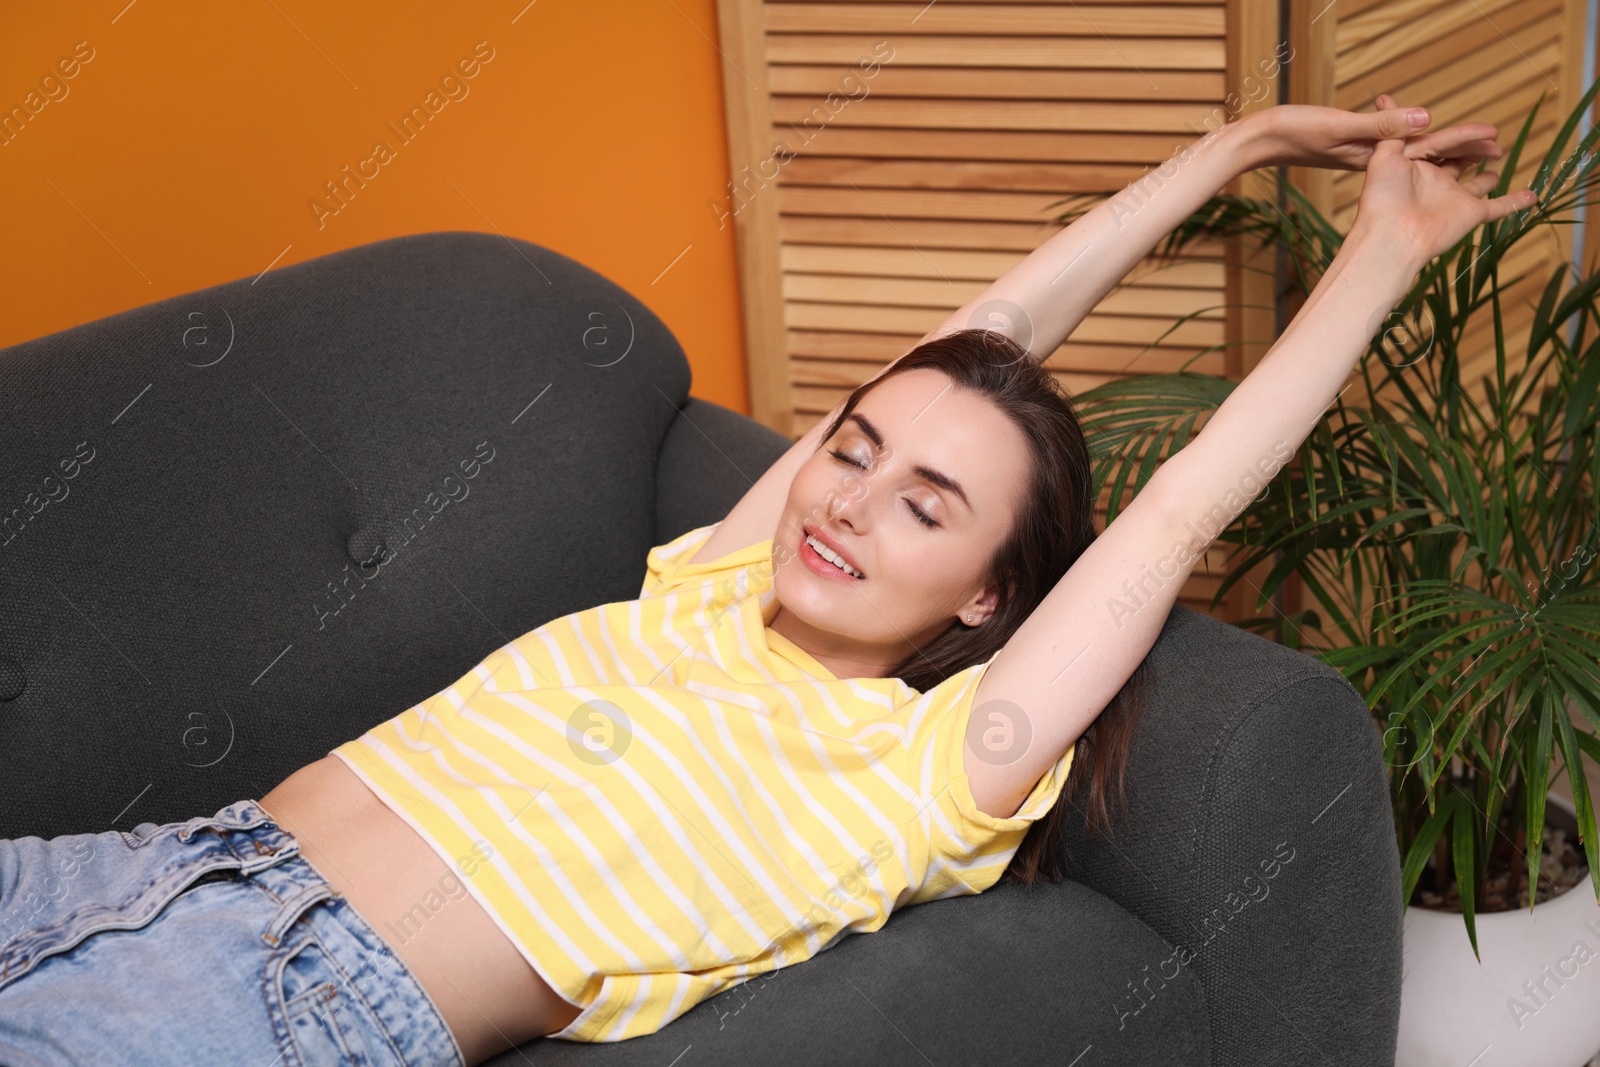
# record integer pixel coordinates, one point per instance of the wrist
(1231, 149)
(1249, 140)
(1387, 248)
(1368, 270)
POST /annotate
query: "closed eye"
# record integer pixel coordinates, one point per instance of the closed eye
(844, 458)
(921, 515)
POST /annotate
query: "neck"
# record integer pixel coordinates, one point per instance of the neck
(846, 659)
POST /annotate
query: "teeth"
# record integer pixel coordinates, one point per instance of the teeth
(832, 557)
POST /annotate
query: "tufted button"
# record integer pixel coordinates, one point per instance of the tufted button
(366, 546)
(12, 679)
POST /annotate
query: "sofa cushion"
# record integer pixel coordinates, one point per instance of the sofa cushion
(1017, 975)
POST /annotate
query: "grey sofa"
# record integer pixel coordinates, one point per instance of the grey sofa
(186, 490)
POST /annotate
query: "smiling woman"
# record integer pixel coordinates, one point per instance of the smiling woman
(957, 484)
(924, 542)
(763, 752)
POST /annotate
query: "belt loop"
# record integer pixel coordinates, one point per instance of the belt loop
(261, 847)
(294, 907)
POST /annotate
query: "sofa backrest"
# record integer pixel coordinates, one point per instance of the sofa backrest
(240, 526)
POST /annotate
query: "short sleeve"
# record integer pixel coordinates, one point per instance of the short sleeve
(971, 847)
(667, 567)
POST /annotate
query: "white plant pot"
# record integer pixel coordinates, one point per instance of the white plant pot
(1534, 1001)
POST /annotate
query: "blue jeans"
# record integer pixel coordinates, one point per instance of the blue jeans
(211, 941)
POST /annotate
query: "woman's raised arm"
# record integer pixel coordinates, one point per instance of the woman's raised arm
(1085, 639)
(1104, 245)
(1040, 301)
(1064, 278)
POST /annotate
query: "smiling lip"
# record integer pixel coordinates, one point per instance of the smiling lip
(811, 554)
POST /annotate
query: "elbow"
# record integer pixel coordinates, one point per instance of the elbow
(1192, 522)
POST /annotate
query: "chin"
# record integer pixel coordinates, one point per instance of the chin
(798, 594)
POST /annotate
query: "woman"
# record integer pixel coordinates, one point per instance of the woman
(804, 722)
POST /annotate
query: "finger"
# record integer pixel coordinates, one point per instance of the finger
(1473, 138)
(1500, 207)
(1385, 102)
(1396, 122)
(1479, 184)
(1387, 146)
(1457, 162)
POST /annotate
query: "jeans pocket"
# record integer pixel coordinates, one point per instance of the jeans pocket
(325, 1015)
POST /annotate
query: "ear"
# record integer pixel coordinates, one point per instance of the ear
(982, 606)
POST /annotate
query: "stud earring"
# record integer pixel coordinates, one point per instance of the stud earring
(969, 618)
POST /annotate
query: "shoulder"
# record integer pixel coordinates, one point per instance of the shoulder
(668, 567)
(942, 721)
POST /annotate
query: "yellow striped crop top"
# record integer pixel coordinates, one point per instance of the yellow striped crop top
(672, 799)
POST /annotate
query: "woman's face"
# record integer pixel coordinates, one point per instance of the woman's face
(917, 489)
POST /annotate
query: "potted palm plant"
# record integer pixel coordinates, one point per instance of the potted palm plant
(1443, 531)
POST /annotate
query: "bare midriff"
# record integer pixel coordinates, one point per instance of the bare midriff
(490, 996)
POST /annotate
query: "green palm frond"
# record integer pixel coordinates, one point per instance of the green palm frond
(1444, 530)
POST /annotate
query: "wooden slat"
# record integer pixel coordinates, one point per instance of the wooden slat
(929, 145)
(894, 204)
(964, 265)
(811, 115)
(1149, 301)
(925, 234)
(997, 82)
(841, 375)
(1110, 329)
(1056, 178)
(1087, 20)
(1150, 55)
(1351, 8)
(1075, 353)
(822, 398)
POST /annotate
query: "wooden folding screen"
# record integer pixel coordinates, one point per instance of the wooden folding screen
(890, 160)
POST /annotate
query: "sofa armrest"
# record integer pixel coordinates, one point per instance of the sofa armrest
(1258, 839)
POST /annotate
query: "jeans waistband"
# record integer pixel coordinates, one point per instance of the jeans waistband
(394, 995)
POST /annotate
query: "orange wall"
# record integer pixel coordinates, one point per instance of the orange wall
(185, 152)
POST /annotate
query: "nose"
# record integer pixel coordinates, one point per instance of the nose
(844, 506)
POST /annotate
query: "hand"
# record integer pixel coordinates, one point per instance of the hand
(1423, 205)
(1308, 136)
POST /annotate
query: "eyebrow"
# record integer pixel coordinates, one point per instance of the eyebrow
(938, 478)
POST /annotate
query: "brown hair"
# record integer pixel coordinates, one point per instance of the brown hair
(1054, 526)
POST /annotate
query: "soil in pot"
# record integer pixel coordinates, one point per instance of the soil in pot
(1561, 866)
